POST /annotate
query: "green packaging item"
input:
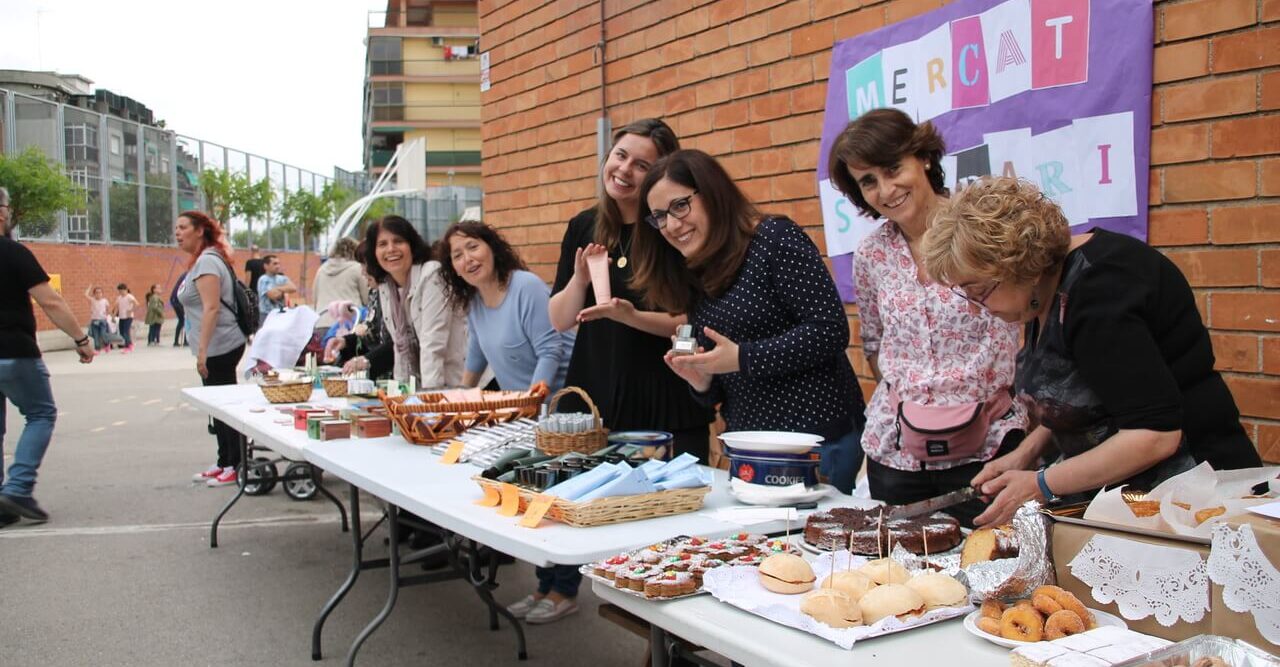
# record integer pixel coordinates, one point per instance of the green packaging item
(313, 425)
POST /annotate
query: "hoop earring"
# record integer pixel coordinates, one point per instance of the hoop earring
(1035, 304)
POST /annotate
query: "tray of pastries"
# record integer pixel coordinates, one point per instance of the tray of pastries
(675, 568)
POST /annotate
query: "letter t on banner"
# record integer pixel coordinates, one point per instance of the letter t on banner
(1059, 42)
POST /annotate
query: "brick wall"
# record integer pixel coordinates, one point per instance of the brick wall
(136, 266)
(745, 80)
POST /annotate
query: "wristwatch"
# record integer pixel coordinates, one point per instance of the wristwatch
(1049, 495)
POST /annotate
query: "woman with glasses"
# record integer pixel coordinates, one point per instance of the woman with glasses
(943, 404)
(1115, 361)
(771, 329)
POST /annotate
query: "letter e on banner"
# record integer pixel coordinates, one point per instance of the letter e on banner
(1059, 42)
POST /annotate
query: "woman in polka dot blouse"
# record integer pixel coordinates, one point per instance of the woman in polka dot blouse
(771, 328)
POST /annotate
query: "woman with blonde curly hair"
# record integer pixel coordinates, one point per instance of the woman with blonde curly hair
(1116, 362)
(943, 406)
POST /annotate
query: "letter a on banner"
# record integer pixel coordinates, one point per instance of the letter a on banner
(1059, 42)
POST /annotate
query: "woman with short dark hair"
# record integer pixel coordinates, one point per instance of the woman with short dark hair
(770, 324)
(942, 406)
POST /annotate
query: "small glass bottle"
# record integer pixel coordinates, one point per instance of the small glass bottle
(685, 343)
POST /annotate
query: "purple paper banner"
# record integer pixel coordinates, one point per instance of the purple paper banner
(1055, 91)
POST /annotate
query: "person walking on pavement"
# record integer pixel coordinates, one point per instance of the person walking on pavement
(24, 378)
(98, 327)
(155, 315)
(216, 340)
(126, 302)
(179, 334)
(273, 286)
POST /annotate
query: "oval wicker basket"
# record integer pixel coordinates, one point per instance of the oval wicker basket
(287, 392)
(586, 442)
(434, 419)
(335, 387)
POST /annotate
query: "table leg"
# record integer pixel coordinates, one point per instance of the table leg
(483, 584)
(315, 479)
(659, 655)
(357, 541)
(393, 528)
(244, 458)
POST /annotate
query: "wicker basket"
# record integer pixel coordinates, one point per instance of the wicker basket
(587, 442)
(287, 392)
(436, 420)
(617, 509)
(335, 387)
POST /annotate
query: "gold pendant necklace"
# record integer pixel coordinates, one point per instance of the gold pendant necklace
(622, 262)
(622, 255)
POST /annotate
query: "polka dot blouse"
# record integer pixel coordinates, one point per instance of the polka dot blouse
(784, 313)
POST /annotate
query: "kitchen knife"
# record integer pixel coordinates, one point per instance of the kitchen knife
(930, 505)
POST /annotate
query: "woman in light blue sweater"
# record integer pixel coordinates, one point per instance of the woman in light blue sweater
(507, 323)
(509, 330)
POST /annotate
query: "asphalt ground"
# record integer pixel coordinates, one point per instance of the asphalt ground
(123, 574)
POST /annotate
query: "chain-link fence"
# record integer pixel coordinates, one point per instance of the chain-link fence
(137, 178)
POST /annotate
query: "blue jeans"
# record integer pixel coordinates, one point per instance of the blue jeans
(841, 459)
(98, 332)
(126, 331)
(25, 382)
(563, 579)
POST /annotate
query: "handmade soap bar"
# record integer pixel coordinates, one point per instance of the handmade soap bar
(598, 266)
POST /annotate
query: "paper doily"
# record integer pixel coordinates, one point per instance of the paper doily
(1250, 583)
(1144, 579)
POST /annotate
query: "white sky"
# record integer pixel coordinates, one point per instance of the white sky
(280, 79)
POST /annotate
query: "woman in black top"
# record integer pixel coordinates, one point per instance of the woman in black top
(765, 310)
(1116, 362)
(617, 358)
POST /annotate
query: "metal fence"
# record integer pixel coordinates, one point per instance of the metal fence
(137, 178)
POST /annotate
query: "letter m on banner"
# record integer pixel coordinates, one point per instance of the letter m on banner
(865, 87)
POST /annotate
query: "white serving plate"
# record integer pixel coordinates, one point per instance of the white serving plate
(971, 624)
(775, 442)
(809, 496)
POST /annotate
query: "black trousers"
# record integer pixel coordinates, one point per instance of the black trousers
(222, 371)
(696, 441)
(178, 334)
(899, 487)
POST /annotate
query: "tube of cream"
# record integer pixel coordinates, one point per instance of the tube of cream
(598, 265)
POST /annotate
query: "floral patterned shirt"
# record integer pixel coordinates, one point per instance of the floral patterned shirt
(933, 347)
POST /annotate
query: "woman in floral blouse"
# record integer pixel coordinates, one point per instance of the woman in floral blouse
(943, 406)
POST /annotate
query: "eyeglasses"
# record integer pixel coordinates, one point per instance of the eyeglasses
(975, 297)
(677, 209)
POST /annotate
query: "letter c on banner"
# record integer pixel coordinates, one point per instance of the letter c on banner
(964, 70)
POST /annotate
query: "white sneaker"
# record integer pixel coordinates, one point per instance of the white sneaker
(523, 607)
(207, 475)
(546, 611)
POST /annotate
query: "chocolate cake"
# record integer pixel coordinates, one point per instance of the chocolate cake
(844, 526)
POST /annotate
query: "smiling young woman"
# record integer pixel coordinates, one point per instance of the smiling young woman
(764, 308)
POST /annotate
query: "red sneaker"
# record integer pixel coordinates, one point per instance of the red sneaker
(207, 475)
(227, 477)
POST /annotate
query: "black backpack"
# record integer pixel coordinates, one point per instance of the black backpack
(246, 307)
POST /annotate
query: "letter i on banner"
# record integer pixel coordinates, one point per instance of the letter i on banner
(1059, 42)
(969, 87)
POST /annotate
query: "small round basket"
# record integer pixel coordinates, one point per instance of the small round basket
(335, 387)
(586, 442)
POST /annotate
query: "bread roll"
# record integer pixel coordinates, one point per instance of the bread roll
(832, 607)
(890, 600)
(788, 574)
(938, 589)
(851, 583)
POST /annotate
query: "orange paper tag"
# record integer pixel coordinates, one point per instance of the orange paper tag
(510, 500)
(537, 509)
(491, 497)
(452, 453)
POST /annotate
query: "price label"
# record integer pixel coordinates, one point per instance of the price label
(510, 500)
(491, 497)
(537, 509)
(452, 453)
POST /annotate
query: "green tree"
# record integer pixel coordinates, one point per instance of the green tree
(37, 191)
(312, 214)
(244, 238)
(219, 187)
(252, 201)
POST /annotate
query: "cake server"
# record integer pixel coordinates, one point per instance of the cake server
(930, 505)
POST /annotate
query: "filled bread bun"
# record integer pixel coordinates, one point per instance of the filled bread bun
(890, 600)
(938, 589)
(885, 571)
(788, 574)
(851, 583)
(830, 606)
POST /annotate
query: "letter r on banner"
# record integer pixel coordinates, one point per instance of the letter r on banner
(1059, 42)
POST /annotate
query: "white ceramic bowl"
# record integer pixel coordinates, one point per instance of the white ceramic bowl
(776, 442)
